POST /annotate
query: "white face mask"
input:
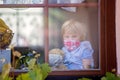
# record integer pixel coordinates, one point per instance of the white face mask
(55, 59)
(71, 44)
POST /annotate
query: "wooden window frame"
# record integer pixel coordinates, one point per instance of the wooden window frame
(107, 34)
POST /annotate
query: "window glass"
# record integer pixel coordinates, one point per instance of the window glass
(21, 1)
(70, 1)
(66, 1)
(27, 25)
(28, 28)
(57, 17)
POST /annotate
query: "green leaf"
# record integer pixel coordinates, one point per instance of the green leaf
(103, 78)
(45, 69)
(110, 76)
(24, 76)
(36, 73)
(6, 78)
(84, 79)
(117, 78)
(5, 72)
(31, 63)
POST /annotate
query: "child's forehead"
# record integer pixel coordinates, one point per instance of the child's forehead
(71, 33)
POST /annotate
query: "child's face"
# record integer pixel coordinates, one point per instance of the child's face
(71, 41)
(71, 36)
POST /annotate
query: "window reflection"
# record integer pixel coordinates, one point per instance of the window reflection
(70, 1)
(21, 1)
(58, 16)
(66, 1)
(27, 25)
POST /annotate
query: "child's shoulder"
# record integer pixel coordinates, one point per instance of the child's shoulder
(85, 43)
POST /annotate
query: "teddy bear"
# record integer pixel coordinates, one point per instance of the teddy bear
(56, 57)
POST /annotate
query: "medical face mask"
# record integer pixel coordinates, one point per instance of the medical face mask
(71, 44)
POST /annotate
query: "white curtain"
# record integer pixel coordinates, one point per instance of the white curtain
(22, 1)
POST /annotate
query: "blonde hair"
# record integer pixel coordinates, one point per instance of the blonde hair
(73, 26)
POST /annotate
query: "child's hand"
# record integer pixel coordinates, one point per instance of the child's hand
(86, 63)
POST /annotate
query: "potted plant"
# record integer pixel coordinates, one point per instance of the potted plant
(5, 72)
(108, 76)
(35, 72)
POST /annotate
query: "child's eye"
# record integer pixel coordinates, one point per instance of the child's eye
(74, 36)
(66, 36)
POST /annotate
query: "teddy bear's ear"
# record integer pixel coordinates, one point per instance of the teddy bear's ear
(62, 53)
(56, 51)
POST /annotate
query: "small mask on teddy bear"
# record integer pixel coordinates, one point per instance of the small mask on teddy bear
(56, 59)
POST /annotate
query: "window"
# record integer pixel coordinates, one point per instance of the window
(37, 24)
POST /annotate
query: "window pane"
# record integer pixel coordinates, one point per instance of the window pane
(57, 16)
(27, 25)
(21, 1)
(70, 1)
(66, 1)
